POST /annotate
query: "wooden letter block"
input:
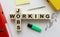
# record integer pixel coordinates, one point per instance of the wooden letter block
(12, 16)
(30, 16)
(18, 16)
(35, 16)
(41, 16)
(24, 16)
(47, 16)
(18, 28)
(17, 10)
(18, 24)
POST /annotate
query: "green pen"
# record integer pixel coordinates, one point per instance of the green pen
(34, 27)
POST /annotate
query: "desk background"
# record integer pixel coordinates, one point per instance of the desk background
(9, 6)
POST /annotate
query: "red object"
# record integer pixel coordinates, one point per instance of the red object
(3, 21)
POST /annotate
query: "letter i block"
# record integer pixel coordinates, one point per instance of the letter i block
(35, 16)
(55, 4)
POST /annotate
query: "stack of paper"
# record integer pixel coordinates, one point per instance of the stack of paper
(22, 2)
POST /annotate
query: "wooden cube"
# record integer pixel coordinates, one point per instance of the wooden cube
(30, 16)
(17, 10)
(41, 16)
(12, 16)
(18, 24)
(24, 16)
(47, 16)
(18, 28)
(36, 16)
(18, 16)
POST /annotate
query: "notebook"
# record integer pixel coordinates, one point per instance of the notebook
(22, 2)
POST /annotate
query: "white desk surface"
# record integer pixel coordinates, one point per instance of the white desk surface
(54, 31)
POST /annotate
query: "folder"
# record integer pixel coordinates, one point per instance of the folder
(3, 29)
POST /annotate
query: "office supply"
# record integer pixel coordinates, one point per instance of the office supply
(36, 8)
(22, 2)
(3, 29)
(55, 4)
(34, 27)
